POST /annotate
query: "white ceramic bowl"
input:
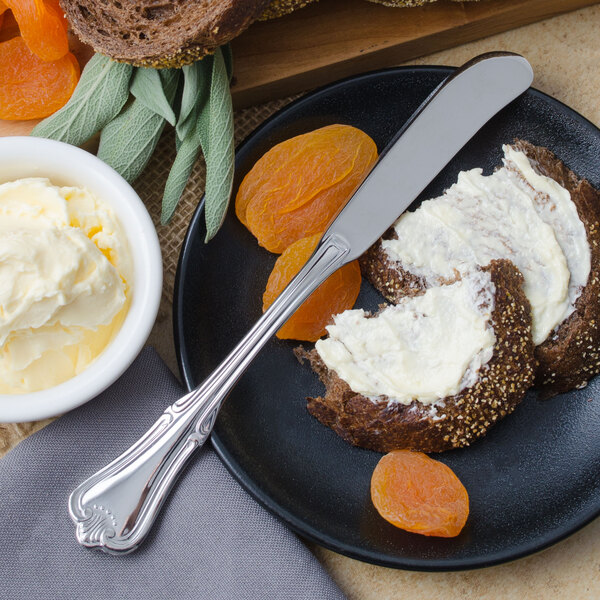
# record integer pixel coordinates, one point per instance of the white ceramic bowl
(67, 165)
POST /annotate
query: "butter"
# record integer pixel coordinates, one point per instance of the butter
(425, 348)
(64, 292)
(515, 213)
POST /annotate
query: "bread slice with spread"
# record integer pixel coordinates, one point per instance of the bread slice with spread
(433, 372)
(533, 211)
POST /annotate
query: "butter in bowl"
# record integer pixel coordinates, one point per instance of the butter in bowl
(80, 277)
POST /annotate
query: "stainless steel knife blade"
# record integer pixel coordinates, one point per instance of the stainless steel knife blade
(440, 127)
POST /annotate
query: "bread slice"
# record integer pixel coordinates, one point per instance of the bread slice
(383, 425)
(151, 33)
(570, 355)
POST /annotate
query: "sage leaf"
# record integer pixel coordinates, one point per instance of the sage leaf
(191, 85)
(196, 85)
(228, 58)
(215, 129)
(98, 98)
(147, 87)
(127, 142)
(179, 174)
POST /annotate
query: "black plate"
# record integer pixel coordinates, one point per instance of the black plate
(534, 479)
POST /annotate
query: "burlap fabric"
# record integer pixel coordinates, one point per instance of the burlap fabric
(149, 186)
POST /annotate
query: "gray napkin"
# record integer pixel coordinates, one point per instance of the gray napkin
(212, 540)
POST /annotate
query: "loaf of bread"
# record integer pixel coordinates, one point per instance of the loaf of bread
(173, 34)
(569, 354)
(489, 390)
(160, 34)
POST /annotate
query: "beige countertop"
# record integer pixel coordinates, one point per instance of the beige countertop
(565, 54)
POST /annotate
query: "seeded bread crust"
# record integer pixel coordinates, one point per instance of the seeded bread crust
(279, 8)
(408, 3)
(461, 419)
(160, 34)
(570, 356)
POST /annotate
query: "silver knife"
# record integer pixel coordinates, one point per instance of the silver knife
(115, 508)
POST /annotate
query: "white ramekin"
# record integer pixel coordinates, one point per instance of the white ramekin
(67, 165)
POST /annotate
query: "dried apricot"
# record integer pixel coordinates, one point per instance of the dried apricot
(334, 295)
(56, 7)
(31, 88)
(299, 185)
(41, 28)
(9, 28)
(419, 494)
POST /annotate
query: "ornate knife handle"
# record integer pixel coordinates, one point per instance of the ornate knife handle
(115, 508)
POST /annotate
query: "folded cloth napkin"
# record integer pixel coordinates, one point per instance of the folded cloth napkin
(211, 541)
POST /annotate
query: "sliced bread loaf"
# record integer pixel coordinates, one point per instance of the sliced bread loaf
(533, 211)
(160, 34)
(477, 352)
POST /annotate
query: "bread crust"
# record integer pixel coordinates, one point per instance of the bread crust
(279, 8)
(461, 419)
(570, 356)
(160, 34)
(409, 3)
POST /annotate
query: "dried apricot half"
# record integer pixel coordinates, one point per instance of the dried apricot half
(54, 5)
(334, 295)
(8, 28)
(3, 9)
(299, 185)
(41, 27)
(31, 88)
(419, 494)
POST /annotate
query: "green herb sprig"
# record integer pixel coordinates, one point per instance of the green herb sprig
(130, 108)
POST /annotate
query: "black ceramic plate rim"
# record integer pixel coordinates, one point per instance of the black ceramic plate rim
(295, 523)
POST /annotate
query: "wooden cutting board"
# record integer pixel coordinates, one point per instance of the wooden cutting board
(332, 39)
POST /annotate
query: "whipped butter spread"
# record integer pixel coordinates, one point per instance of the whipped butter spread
(515, 213)
(425, 348)
(64, 272)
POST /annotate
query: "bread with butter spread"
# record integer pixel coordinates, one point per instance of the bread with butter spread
(570, 356)
(561, 254)
(490, 392)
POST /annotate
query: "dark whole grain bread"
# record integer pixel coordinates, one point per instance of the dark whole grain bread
(570, 355)
(501, 384)
(157, 33)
